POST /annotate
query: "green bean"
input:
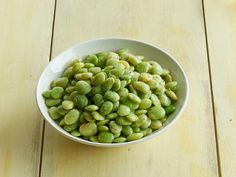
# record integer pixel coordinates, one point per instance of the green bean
(77, 67)
(141, 120)
(66, 97)
(94, 70)
(61, 110)
(131, 104)
(122, 51)
(115, 106)
(72, 117)
(93, 138)
(136, 129)
(80, 101)
(106, 108)
(134, 76)
(163, 120)
(112, 96)
(134, 98)
(103, 122)
(167, 78)
(146, 132)
(123, 83)
(70, 89)
(116, 85)
(123, 110)
(145, 77)
(134, 136)
(83, 76)
(99, 78)
(155, 100)
(103, 128)
(123, 92)
(57, 92)
(112, 116)
(68, 72)
(72, 95)
(88, 116)
(145, 103)
(118, 72)
(123, 121)
(82, 87)
(91, 108)
(156, 124)
(114, 127)
(62, 122)
(60, 82)
(91, 59)
(88, 65)
(113, 55)
(70, 127)
(95, 90)
(133, 60)
(171, 95)
(88, 129)
(132, 90)
(98, 99)
(142, 67)
(155, 69)
(140, 112)
(97, 116)
(126, 130)
(52, 102)
(141, 86)
(67, 104)
(105, 137)
(171, 85)
(146, 124)
(125, 64)
(156, 112)
(165, 100)
(132, 117)
(53, 112)
(47, 94)
(75, 133)
(169, 109)
(107, 85)
(119, 140)
(111, 62)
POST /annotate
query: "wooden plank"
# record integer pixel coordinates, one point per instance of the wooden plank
(186, 149)
(24, 48)
(221, 32)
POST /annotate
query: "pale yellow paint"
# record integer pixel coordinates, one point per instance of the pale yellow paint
(25, 32)
(188, 148)
(221, 32)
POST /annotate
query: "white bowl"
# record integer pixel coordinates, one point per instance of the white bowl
(55, 68)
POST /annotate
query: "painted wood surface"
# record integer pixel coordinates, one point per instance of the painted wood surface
(186, 149)
(24, 49)
(221, 33)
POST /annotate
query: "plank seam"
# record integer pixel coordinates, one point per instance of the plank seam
(212, 94)
(50, 57)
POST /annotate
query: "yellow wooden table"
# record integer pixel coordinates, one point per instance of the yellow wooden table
(200, 34)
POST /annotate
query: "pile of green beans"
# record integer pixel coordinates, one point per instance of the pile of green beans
(112, 97)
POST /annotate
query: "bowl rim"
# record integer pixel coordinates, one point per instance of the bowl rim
(83, 141)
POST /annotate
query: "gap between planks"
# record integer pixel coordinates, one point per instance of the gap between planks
(212, 94)
(49, 59)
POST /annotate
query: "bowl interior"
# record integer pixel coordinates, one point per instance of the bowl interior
(55, 68)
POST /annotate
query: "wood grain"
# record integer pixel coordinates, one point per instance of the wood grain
(221, 32)
(24, 48)
(186, 149)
